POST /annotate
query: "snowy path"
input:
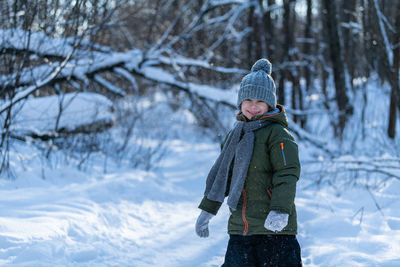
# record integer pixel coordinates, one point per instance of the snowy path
(126, 218)
(138, 218)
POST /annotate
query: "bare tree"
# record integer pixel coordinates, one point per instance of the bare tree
(270, 26)
(287, 44)
(308, 44)
(349, 27)
(33, 62)
(395, 92)
(335, 49)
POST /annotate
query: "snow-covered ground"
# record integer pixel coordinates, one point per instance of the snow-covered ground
(135, 218)
(57, 215)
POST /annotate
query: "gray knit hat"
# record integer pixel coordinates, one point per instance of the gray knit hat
(258, 84)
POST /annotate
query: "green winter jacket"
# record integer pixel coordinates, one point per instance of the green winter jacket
(270, 183)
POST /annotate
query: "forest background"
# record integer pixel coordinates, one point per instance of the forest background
(180, 48)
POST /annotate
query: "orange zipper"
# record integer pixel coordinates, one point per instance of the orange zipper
(283, 155)
(246, 225)
(269, 192)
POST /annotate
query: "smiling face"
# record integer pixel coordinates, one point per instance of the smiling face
(253, 107)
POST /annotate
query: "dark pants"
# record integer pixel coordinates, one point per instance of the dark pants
(262, 250)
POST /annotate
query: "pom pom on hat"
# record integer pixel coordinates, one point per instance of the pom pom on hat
(262, 64)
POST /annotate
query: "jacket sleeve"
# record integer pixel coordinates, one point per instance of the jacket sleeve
(210, 206)
(286, 169)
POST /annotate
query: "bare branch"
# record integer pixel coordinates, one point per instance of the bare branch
(29, 90)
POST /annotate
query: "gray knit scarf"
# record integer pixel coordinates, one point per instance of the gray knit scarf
(238, 148)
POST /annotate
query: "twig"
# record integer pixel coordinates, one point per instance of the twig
(373, 198)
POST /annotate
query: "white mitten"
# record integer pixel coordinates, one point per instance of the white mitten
(202, 223)
(276, 221)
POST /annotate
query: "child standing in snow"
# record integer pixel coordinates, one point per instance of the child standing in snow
(257, 170)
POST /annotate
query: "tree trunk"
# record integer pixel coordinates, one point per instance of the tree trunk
(250, 24)
(294, 70)
(297, 98)
(269, 31)
(285, 50)
(260, 32)
(337, 63)
(394, 95)
(349, 51)
(307, 45)
(367, 37)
